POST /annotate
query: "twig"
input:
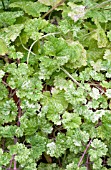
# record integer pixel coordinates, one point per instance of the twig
(88, 163)
(11, 161)
(25, 47)
(15, 164)
(69, 75)
(54, 7)
(38, 40)
(12, 94)
(19, 112)
(94, 84)
(88, 145)
(5, 83)
(15, 168)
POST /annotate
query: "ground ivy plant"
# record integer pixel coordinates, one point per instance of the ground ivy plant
(55, 87)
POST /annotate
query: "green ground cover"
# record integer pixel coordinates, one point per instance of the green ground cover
(55, 85)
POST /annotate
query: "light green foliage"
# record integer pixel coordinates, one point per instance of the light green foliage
(55, 105)
(13, 54)
(8, 131)
(68, 26)
(8, 35)
(48, 65)
(55, 88)
(75, 138)
(3, 47)
(71, 120)
(77, 11)
(100, 36)
(78, 57)
(8, 111)
(9, 18)
(98, 150)
(55, 47)
(49, 2)
(73, 166)
(104, 130)
(29, 125)
(3, 90)
(22, 156)
(4, 158)
(33, 26)
(31, 8)
(38, 144)
(56, 149)
(2, 73)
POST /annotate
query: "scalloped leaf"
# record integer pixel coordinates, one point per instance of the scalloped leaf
(8, 35)
(31, 8)
(9, 18)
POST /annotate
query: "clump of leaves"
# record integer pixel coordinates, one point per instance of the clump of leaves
(55, 88)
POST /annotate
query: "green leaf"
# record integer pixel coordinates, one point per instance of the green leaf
(97, 66)
(3, 47)
(8, 111)
(71, 120)
(75, 96)
(33, 26)
(62, 84)
(2, 73)
(7, 131)
(68, 26)
(100, 36)
(56, 47)
(100, 14)
(95, 93)
(5, 158)
(55, 105)
(29, 125)
(77, 53)
(24, 159)
(49, 65)
(38, 144)
(75, 138)
(97, 164)
(3, 90)
(108, 93)
(31, 8)
(49, 2)
(46, 119)
(56, 149)
(13, 54)
(109, 161)
(45, 166)
(9, 18)
(107, 54)
(78, 11)
(106, 84)
(98, 150)
(8, 35)
(104, 130)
